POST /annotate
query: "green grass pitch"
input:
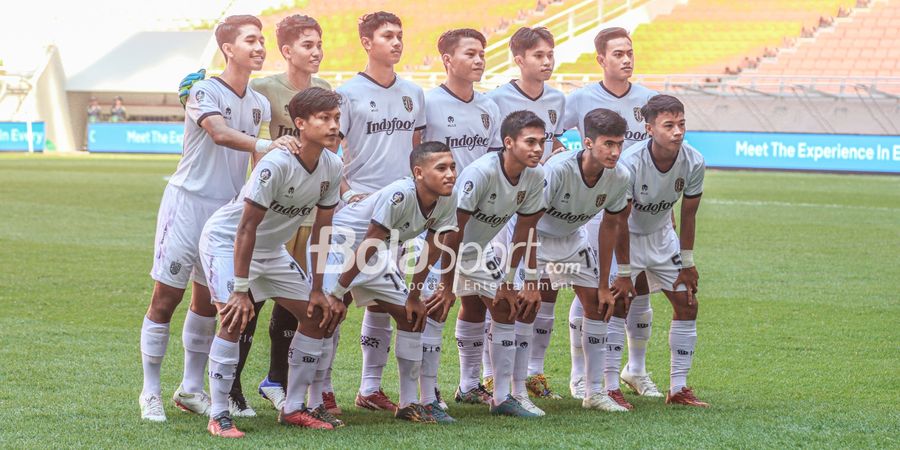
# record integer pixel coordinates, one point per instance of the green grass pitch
(799, 326)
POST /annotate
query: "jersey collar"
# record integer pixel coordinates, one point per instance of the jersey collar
(614, 95)
(444, 87)
(362, 74)
(653, 159)
(534, 99)
(581, 172)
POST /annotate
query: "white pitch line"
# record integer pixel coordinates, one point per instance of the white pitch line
(717, 201)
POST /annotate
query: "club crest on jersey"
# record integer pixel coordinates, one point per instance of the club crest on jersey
(174, 268)
(486, 120)
(397, 198)
(637, 114)
(407, 103)
(264, 175)
(679, 184)
(324, 187)
(257, 116)
(430, 222)
(552, 114)
(520, 197)
(199, 95)
(601, 199)
(468, 187)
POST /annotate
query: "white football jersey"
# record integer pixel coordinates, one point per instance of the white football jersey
(469, 128)
(571, 203)
(588, 98)
(654, 193)
(485, 192)
(394, 207)
(288, 190)
(207, 169)
(378, 123)
(549, 106)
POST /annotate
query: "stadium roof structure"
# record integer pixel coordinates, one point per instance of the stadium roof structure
(150, 61)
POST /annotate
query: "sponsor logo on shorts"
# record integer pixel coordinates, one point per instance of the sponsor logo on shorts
(407, 103)
(174, 268)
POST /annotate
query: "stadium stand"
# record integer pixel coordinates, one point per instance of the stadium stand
(425, 21)
(716, 36)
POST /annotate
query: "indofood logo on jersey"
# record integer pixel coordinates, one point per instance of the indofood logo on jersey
(289, 210)
(654, 208)
(491, 219)
(389, 126)
(567, 216)
(636, 135)
(468, 142)
(407, 103)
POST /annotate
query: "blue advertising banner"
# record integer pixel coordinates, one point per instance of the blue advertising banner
(14, 136)
(135, 137)
(789, 151)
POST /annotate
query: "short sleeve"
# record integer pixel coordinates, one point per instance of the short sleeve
(332, 195)
(534, 197)
(560, 124)
(345, 110)
(202, 103)
(264, 182)
(266, 108)
(447, 219)
(421, 120)
(494, 132)
(619, 198)
(694, 186)
(570, 113)
(389, 208)
(472, 185)
(551, 184)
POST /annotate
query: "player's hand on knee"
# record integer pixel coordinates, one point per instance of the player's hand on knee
(530, 300)
(689, 277)
(237, 312)
(184, 88)
(440, 303)
(288, 142)
(338, 313)
(607, 303)
(415, 313)
(506, 294)
(317, 300)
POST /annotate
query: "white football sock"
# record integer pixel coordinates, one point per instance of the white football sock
(431, 360)
(486, 369)
(682, 340)
(638, 324)
(470, 342)
(375, 341)
(196, 337)
(543, 327)
(335, 339)
(318, 386)
(524, 338)
(303, 360)
(615, 342)
(503, 358)
(409, 360)
(154, 339)
(593, 340)
(576, 313)
(223, 361)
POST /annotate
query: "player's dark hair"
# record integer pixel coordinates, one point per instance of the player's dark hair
(228, 30)
(311, 101)
(604, 122)
(424, 150)
(659, 104)
(516, 121)
(525, 39)
(373, 21)
(607, 34)
(291, 27)
(448, 41)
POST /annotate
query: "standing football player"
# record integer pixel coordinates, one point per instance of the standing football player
(467, 121)
(664, 169)
(532, 50)
(222, 120)
(382, 120)
(242, 248)
(492, 190)
(394, 214)
(615, 55)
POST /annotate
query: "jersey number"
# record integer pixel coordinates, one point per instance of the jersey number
(586, 253)
(394, 278)
(493, 265)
